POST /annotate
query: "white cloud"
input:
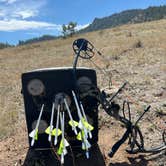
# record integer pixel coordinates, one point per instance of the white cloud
(14, 25)
(14, 15)
(33, 33)
(22, 9)
(2, 14)
(8, 1)
(81, 26)
(26, 13)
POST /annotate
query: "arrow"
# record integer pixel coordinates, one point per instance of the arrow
(85, 143)
(34, 133)
(72, 123)
(77, 106)
(63, 144)
(57, 125)
(81, 125)
(62, 147)
(50, 128)
(85, 122)
(85, 146)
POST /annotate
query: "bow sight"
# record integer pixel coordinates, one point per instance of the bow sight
(61, 106)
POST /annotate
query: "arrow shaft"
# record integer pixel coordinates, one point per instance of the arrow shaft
(62, 118)
(57, 124)
(37, 125)
(51, 122)
(84, 115)
(70, 116)
(83, 112)
(38, 121)
(68, 110)
(77, 106)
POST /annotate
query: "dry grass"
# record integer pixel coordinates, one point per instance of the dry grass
(136, 65)
(144, 67)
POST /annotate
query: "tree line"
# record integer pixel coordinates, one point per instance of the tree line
(5, 45)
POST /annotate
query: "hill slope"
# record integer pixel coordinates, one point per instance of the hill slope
(135, 53)
(127, 17)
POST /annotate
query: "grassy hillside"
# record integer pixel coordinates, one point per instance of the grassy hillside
(117, 44)
(136, 53)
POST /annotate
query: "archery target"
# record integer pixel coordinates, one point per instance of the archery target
(45, 86)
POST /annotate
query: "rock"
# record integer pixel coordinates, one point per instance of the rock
(164, 105)
(158, 93)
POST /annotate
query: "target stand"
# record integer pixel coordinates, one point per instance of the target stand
(43, 87)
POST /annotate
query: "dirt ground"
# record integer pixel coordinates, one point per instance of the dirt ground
(13, 149)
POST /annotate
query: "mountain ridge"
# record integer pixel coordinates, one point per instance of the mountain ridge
(127, 17)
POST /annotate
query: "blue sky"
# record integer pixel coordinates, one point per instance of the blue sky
(25, 19)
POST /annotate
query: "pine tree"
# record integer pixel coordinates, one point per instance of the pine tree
(69, 29)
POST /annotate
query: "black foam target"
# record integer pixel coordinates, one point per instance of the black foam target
(55, 81)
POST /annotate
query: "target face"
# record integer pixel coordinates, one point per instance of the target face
(35, 87)
(42, 126)
(84, 83)
(59, 99)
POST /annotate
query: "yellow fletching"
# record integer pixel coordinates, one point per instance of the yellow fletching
(80, 135)
(61, 147)
(54, 132)
(87, 125)
(36, 135)
(47, 131)
(73, 123)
